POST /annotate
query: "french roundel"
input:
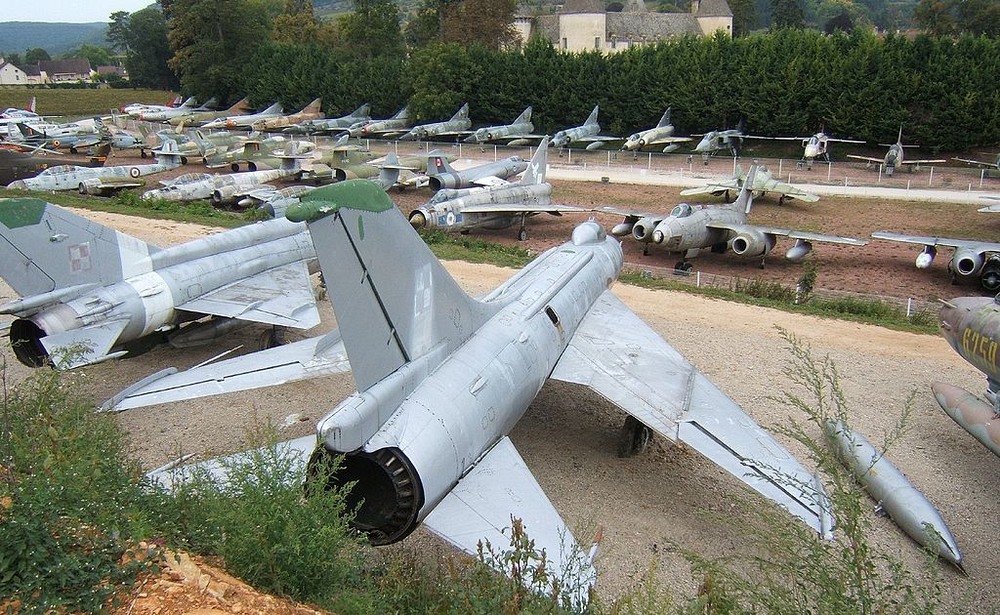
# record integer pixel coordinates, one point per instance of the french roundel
(450, 218)
(56, 143)
(134, 172)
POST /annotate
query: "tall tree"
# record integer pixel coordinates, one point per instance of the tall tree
(372, 30)
(142, 38)
(32, 56)
(489, 23)
(213, 39)
(744, 16)
(787, 14)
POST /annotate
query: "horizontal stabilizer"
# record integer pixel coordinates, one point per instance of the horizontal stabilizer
(481, 506)
(279, 296)
(90, 344)
(617, 355)
(303, 360)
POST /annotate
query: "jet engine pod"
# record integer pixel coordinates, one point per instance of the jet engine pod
(642, 230)
(752, 242)
(223, 194)
(990, 277)
(419, 218)
(387, 494)
(966, 262)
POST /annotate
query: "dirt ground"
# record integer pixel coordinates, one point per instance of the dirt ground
(670, 499)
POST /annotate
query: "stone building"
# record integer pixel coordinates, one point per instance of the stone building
(614, 26)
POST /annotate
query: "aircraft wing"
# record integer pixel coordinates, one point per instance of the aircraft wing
(792, 234)
(617, 355)
(501, 208)
(597, 138)
(789, 191)
(969, 244)
(934, 161)
(980, 163)
(118, 183)
(867, 158)
(480, 507)
(668, 141)
(303, 360)
(712, 188)
(492, 180)
(279, 296)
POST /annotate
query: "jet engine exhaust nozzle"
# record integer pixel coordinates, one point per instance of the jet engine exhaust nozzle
(26, 342)
(387, 494)
(418, 219)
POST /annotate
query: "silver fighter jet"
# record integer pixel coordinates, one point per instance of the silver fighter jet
(88, 290)
(585, 133)
(442, 378)
(518, 132)
(457, 126)
(494, 207)
(690, 228)
(660, 135)
(440, 174)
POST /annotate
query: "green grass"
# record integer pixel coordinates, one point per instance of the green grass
(79, 102)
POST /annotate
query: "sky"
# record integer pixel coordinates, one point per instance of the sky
(73, 11)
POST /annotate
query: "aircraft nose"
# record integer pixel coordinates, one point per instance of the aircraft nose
(665, 234)
(17, 185)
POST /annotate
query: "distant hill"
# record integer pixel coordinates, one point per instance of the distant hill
(56, 38)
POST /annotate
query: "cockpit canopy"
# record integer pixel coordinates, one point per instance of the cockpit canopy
(682, 210)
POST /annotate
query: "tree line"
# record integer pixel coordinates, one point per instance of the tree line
(943, 90)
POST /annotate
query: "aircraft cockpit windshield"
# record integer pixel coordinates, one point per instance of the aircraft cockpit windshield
(59, 169)
(681, 211)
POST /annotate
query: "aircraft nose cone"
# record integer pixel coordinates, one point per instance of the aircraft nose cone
(17, 185)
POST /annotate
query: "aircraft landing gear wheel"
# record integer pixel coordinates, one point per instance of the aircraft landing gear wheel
(633, 438)
(522, 235)
(273, 337)
(683, 266)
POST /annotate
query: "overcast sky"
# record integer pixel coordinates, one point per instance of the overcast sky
(74, 11)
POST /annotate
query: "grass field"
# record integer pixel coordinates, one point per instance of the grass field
(77, 103)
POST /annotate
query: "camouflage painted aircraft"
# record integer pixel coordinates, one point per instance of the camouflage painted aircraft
(87, 291)
(895, 157)
(661, 134)
(518, 132)
(200, 118)
(384, 129)
(763, 182)
(311, 111)
(586, 133)
(100, 180)
(357, 118)
(494, 207)
(219, 189)
(713, 142)
(688, 229)
(457, 126)
(245, 120)
(441, 381)
(257, 154)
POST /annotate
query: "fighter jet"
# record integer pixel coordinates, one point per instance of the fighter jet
(440, 173)
(971, 260)
(457, 126)
(169, 113)
(494, 207)
(100, 180)
(661, 134)
(19, 165)
(442, 378)
(995, 165)
(219, 188)
(895, 157)
(688, 229)
(763, 182)
(246, 120)
(717, 140)
(815, 146)
(14, 113)
(269, 153)
(972, 327)
(357, 118)
(200, 118)
(137, 109)
(87, 291)
(518, 132)
(384, 129)
(309, 112)
(74, 136)
(587, 133)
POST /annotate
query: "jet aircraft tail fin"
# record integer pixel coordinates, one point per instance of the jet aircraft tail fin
(462, 113)
(535, 173)
(168, 154)
(592, 118)
(437, 164)
(48, 249)
(665, 119)
(362, 111)
(100, 155)
(745, 200)
(524, 117)
(393, 300)
(388, 173)
(312, 107)
(240, 106)
(31, 105)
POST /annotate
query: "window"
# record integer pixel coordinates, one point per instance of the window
(597, 42)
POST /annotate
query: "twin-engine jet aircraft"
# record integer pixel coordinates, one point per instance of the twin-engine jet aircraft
(88, 291)
(442, 378)
(688, 229)
(971, 260)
